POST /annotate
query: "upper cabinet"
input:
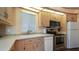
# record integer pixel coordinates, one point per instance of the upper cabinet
(56, 17)
(7, 15)
(3, 13)
(71, 17)
(3, 16)
(10, 15)
(44, 18)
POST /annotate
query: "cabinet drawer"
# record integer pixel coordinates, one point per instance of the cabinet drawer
(28, 41)
(29, 47)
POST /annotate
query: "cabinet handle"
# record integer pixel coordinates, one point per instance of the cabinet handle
(24, 48)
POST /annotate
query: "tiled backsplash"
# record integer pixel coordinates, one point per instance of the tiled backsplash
(6, 30)
(10, 30)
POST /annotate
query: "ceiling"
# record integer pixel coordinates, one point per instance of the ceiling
(73, 10)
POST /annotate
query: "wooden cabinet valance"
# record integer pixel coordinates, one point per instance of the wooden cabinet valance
(71, 17)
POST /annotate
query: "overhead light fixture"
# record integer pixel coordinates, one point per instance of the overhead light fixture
(29, 8)
(48, 10)
(53, 11)
(59, 13)
(37, 8)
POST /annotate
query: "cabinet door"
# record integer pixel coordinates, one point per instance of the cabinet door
(28, 45)
(10, 15)
(71, 17)
(48, 43)
(38, 44)
(45, 18)
(2, 13)
(56, 17)
(19, 45)
(34, 44)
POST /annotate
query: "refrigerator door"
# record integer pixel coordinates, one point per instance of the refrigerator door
(72, 25)
(73, 38)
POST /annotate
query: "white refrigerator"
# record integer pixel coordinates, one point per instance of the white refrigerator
(72, 34)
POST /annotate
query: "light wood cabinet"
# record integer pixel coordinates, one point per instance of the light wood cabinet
(7, 15)
(19, 45)
(56, 17)
(34, 44)
(39, 44)
(10, 15)
(71, 17)
(45, 18)
(2, 13)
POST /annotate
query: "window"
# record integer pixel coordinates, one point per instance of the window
(28, 22)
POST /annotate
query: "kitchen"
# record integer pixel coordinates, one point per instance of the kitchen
(16, 36)
(34, 29)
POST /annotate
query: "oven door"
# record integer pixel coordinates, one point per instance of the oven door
(59, 42)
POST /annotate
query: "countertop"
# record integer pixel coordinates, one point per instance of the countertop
(7, 41)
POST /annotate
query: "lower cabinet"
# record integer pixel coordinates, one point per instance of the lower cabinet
(34, 44)
(48, 43)
(19, 45)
